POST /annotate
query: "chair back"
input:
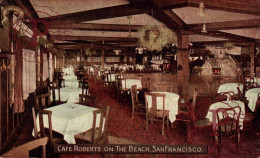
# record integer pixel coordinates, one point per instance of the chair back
(134, 95)
(225, 96)
(191, 108)
(164, 87)
(43, 100)
(88, 100)
(53, 89)
(23, 150)
(41, 132)
(99, 133)
(228, 119)
(154, 96)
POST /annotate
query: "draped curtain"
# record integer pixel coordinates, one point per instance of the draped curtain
(50, 66)
(29, 72)
(45, 73)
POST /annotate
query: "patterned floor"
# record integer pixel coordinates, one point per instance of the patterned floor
(121, 125)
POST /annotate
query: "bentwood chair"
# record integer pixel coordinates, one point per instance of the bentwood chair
(53, 137)
(54, 85)
(228, 124)
(164, 87)
(97, 134)
(137, 106)
(23, 150)
(155, 114)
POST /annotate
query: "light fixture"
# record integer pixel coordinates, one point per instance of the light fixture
(201, 9)
(129, 25)
(140, 50)
(204, 30)
(117, 51)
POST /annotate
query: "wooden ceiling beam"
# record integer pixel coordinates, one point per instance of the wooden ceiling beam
(215, 26)
(229, 36)
(146, 6)
(96, 14)
(98, 27)
(246, 7)
(172, 4)
(92, 38)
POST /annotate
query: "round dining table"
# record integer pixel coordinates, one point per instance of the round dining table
(227, 87)
(252, 96)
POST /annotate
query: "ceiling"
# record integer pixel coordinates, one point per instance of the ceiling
(105, 24)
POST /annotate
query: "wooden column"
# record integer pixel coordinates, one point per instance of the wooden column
(252, 56)
(92, 60)
(183, 66)
(103, 58)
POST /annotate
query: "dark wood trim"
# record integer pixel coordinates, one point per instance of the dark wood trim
(96, 38)
(228, 5)
(96, 14)
(215, 26)
(149, 8)
(97, 27)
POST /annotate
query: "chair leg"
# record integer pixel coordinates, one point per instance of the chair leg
(168, 122)
(133, 111)
(163, 126)
(146, 124)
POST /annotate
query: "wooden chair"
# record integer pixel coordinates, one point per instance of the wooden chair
(53, 137)
(43, 100)
(54, 97)
(96, 135)
(87, 100)
(228, 124)
(163, 87)
(155, 114)
(137, 106)
(190, 119)
(108, 80)
(121, 89)
(23, 150)
(147, 84)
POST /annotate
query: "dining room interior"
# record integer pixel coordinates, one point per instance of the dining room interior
(144, 72)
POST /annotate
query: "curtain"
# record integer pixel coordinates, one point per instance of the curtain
(18, 98)
(50, 66)
(45, 73)
(29, 72)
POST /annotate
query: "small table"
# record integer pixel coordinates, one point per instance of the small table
(252, 96)
(171, 103)
(130, 83)
(70, 119)
(227, 87)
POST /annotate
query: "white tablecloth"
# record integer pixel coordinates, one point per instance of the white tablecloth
(70, 119)
(171, 103)
(227, 87)
(257, 80)
(68, 71)
(139, 67)
(252, 96)
(68, 94)
(225, 104)
(131, 82)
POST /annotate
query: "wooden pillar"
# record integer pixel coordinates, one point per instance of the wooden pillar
(183, 66)
(252, 57)
(92, 60)
(103, 58)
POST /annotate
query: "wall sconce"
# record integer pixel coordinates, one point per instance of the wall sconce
(7, 9)
(140, 50)
(117, 51)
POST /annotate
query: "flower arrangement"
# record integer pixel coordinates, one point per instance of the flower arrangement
(156, 37)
